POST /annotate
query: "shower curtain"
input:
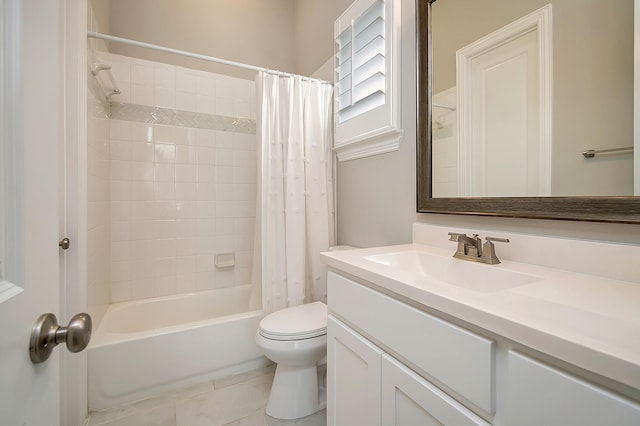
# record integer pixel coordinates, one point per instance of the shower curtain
(294, 208)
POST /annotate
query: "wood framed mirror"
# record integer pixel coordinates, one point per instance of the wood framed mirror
(605, 205)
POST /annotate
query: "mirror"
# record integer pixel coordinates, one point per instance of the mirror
(510, 95)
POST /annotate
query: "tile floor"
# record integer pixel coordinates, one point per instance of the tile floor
(233, 401)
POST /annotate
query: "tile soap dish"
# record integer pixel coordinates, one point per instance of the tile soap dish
(225, 260)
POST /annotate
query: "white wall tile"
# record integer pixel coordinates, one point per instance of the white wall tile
(224, 157)
(120, 291)
(142, 268)
(224, 209)
(185, 80)
(121, 210)
(225, 107)
(225, 192)
(164, 134)
(224, 279)
(142, 72)
(185, 136)
(142, 151)
(206, 209)
(205, 137)
(141, 171)
(206, 173)
(186, 173)
(120, 150)
(142, 191)
(120, 130)
(165, 153)
(164, 172)
(120, 251)
(141, 94)
(142, 132)
(224, 244)
(205, 86)
(205, 104)
(121, 271)
(206, 280)
(174, 196)
(186, 101)
(185, 154)
(164, 191)
(206, 227)
(120, 231)
(224, 174)
(164, 98)
(224, 226)
(165, 285)
(120, 170)
(224, 139)
(120, 190)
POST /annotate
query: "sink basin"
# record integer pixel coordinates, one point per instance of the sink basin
(461, 273)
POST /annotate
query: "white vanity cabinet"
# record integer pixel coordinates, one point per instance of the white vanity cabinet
(390, 363)
(368, 386)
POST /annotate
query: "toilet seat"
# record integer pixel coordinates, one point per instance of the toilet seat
(295, 323)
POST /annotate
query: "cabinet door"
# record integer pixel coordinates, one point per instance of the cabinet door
(353, 377)
(410, 400)
(538, 394)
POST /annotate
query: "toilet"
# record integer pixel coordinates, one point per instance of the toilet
(295, 338)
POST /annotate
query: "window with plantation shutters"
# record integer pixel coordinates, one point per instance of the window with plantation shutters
(367, 64)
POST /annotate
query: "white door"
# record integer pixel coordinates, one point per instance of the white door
(30, 394)
(504, 110)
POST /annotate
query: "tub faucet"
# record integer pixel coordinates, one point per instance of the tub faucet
(471, 248)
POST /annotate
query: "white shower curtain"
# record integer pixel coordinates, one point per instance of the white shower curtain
(294, 215)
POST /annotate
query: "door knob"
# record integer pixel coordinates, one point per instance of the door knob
(46, 334)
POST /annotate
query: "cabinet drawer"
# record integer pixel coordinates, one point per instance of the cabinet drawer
(408, 399)
(538, 394)
(459, 359)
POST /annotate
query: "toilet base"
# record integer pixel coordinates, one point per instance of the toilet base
(294, 393)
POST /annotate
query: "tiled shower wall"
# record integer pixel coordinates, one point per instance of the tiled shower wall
(179, 195)
(98, 189)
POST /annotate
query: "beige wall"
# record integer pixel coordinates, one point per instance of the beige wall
(314, 32)
(100, 12)
(287, 35)
(256, 32)
(592, 79)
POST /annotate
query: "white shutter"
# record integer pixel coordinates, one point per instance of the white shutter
(366, 64)
(361, 64)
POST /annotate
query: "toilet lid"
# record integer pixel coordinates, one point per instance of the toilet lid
(296, 323)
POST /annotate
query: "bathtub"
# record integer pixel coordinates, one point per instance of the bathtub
(145, 347)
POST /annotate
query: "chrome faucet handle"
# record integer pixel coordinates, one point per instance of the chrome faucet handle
(489, 250)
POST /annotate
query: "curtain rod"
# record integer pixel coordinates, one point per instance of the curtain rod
(93, 34)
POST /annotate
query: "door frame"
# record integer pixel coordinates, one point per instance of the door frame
(73, 206)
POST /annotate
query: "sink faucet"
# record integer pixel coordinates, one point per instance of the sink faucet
(471, 248)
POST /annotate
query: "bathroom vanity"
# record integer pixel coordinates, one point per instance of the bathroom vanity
(416, 337)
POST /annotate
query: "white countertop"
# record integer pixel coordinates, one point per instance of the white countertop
(586, 320)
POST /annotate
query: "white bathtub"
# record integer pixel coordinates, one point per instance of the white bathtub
(149, 346)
